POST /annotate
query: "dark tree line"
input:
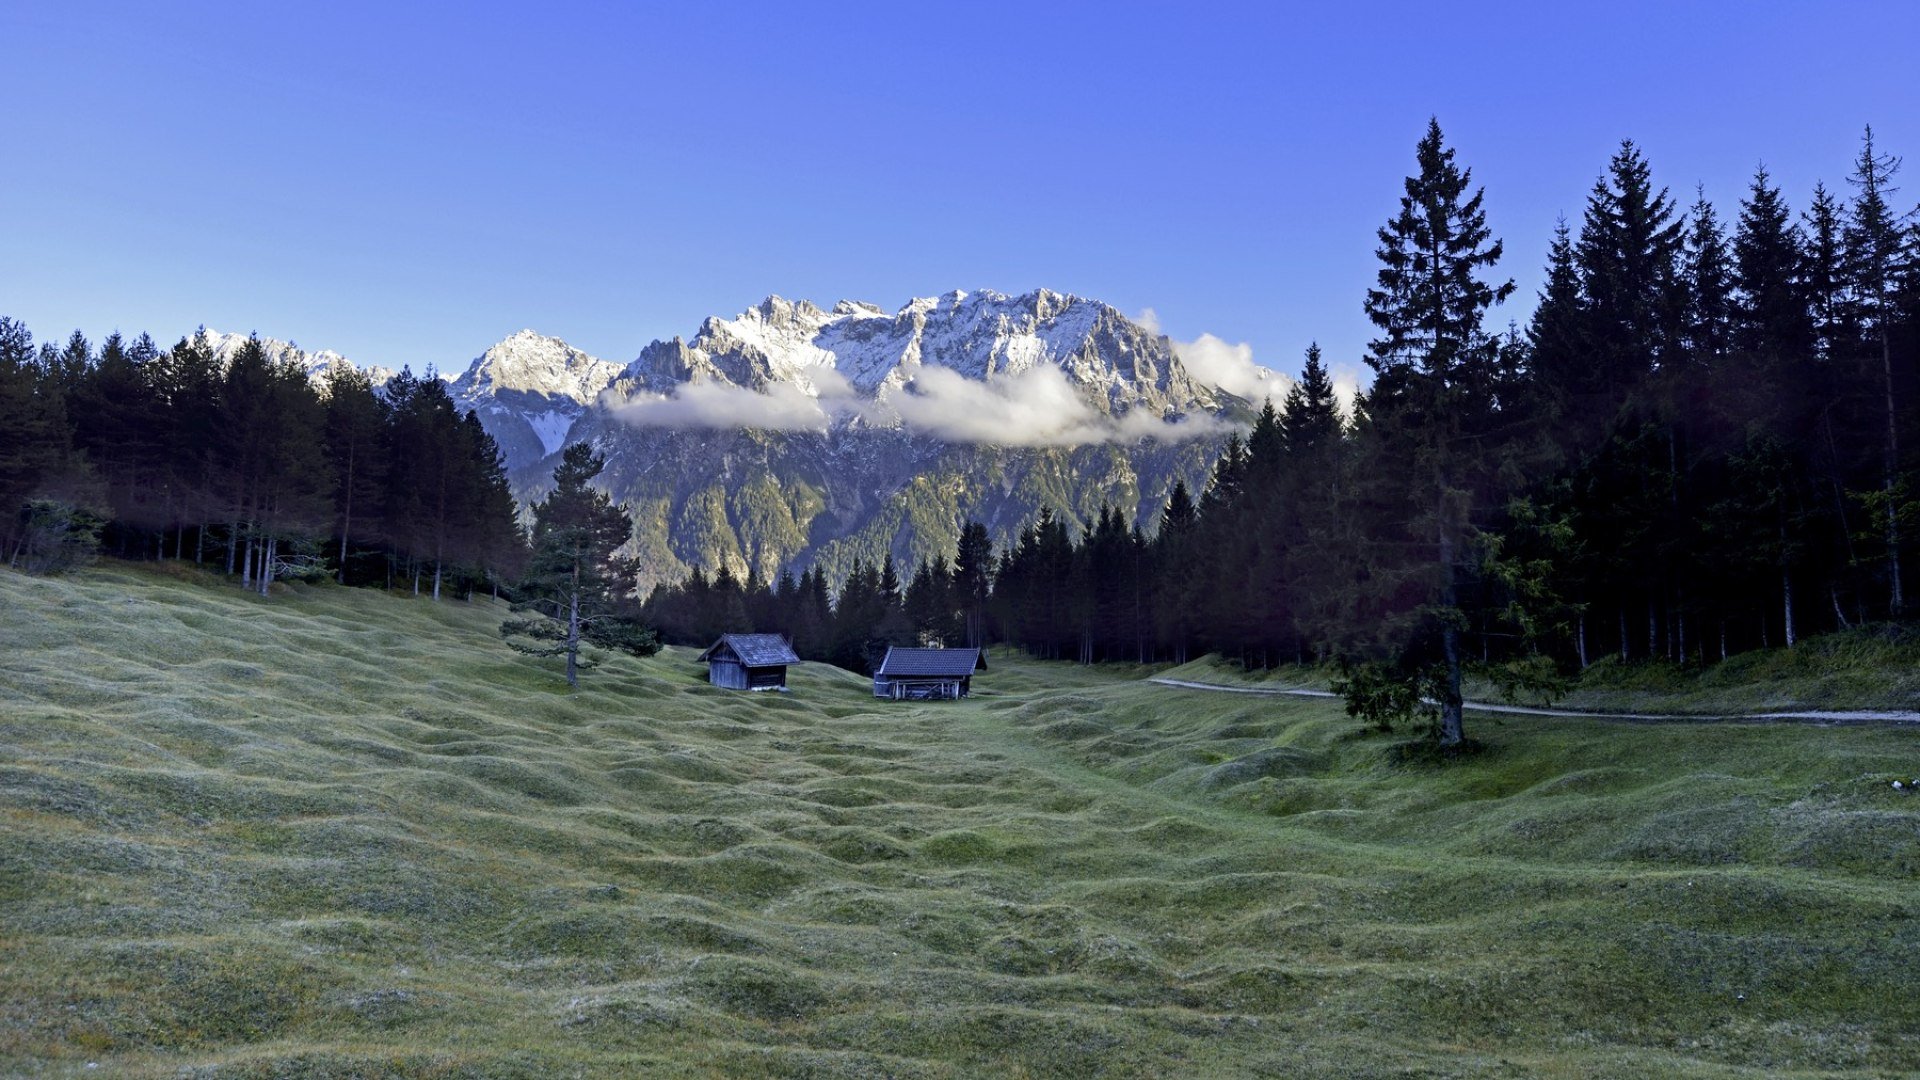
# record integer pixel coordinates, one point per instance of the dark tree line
(944, 603)
(248, 467)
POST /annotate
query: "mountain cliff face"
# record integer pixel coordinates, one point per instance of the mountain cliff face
(792, 435)
(529, 390)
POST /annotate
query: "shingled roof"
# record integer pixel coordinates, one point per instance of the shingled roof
(756, 650)
(931, 662)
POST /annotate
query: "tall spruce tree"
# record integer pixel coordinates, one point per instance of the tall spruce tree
(973, 581)
(1876, 244)
(576, 581)
(1430, 413)
(1770, 312)
(190, 383)
(1173, 557)
(1825, 275)
(34, 438)
(1315, 526)
(356, 427)
(1628, 254)
(1709, 273)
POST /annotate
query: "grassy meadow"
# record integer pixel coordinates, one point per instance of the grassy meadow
(335, 833)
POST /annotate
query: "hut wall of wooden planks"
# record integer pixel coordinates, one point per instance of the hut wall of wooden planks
(749, 661)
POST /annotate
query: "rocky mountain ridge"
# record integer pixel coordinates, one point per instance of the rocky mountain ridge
(223, 346)
(790, 434)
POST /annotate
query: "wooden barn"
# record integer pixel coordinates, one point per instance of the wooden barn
(749, 661)
(927, 674)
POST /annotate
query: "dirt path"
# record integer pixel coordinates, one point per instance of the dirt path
(1806, 716)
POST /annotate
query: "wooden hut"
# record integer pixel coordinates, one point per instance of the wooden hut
(749, 661)
(927, 674)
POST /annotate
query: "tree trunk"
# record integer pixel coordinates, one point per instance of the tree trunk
(1452, 723)
(346, 515)
(1580, 637)
(1786, 603)
(1680, 626)
(1896, 602)
(1839, 613)
(1623, 634)
(573, 631)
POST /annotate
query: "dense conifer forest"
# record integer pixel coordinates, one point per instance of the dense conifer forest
(1702, 441)
(251, 467)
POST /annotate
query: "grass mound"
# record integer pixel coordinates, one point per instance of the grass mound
(338, 834)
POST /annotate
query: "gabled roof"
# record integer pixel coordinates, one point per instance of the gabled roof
(755, 650)
(933, 662)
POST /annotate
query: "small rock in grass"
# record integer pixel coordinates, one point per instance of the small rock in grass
(1898, 786)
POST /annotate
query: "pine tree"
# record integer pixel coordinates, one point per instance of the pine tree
(1771, 309)
(973, 581)
(1825, 275)
(271, 462)
(922, 604)
(575, 580)
(433, 475)
(729, 600)
(1709, 276)
(890, 626)
(489, 538)
(1260, 625)
(1310, 416)
(1313, 530)
(293, 506)
(1876, 237)
(356, 428)
(1628, 257)
(1433, 407)
(117, 425)
(190, 383)
(1173, 558)
(69, 365)
(34, 439)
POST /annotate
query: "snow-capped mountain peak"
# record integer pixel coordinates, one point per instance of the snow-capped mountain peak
(979, 335)
(529, 389)
(530, 363)
(224, 346)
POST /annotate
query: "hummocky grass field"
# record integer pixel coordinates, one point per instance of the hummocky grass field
(1875, 668)
(336, 833)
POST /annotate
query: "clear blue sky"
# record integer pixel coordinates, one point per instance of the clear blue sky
(407, 185)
